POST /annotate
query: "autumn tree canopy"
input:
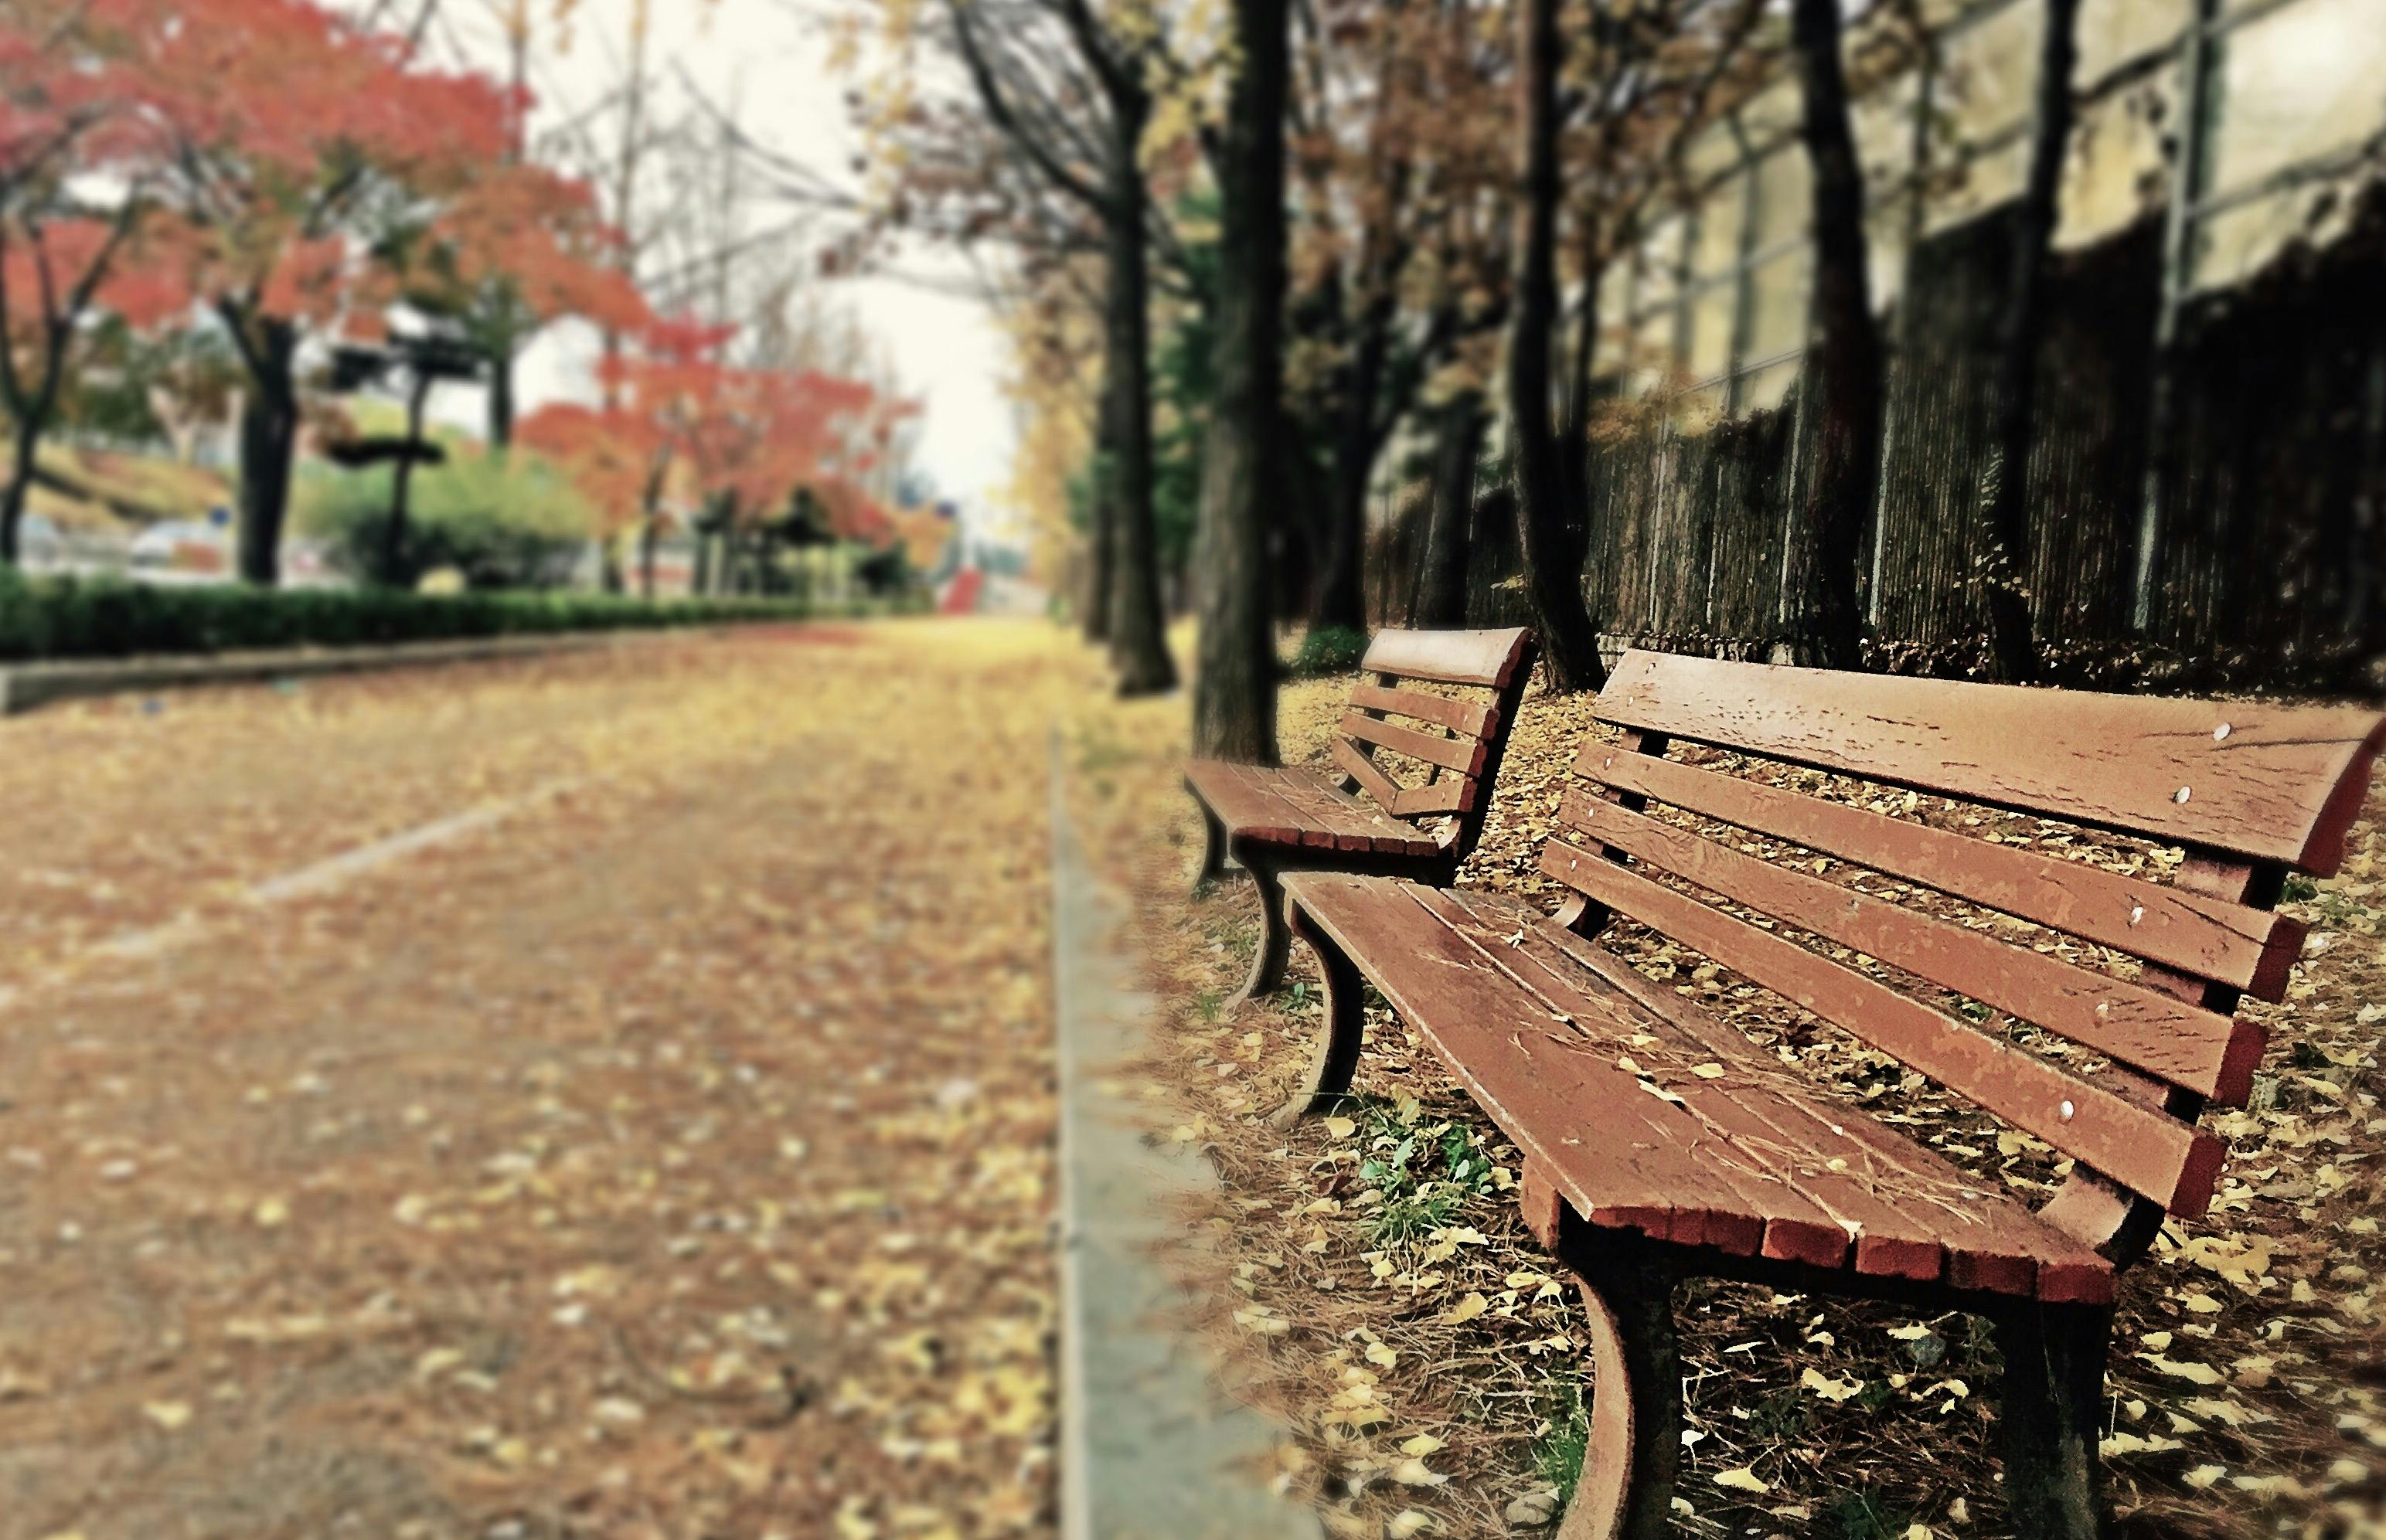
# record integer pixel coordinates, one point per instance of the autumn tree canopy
(289, 178)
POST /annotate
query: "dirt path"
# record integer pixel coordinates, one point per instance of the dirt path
(659, 1147)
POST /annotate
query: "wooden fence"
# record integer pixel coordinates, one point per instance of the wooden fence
(2267, 507)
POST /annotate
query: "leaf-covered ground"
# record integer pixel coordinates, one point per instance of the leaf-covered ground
(1378, 1292)
(665, 1152)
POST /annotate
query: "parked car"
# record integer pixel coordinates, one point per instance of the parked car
(180, 544)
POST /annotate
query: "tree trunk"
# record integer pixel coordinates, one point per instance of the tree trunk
(269, 442)
(1846, 361)
(501, 397)
(1138, 642)
(1552, 543)
(1441, 576)
(401, 485)
(1342, 587)
(1101, 537)
(20, 484)
(649, 538)
(1244, 463)
(2005, 534)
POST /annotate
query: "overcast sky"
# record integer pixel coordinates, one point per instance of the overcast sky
(947, 349)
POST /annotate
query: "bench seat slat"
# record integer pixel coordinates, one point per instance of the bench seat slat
(1280, 814)
(2270, 782)
(1469, 718)
(1463, 754)
(1741, 1162)
(1914, 1215)
(1355, 826)
(1742, 1115)
(2234, 943)
(2176, 1039)
(1572, 1110)
(1245, 808)
(2172, 1163)
(1296, 808)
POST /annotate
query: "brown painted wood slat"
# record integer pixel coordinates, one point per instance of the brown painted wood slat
(1365, 771)
(2267, 782)
(1730, 1143)
(1624, 1157)
(1912, 1213)
(1354, 825)
(2170, 1162)
(1455, 794)
(1470, 719)
(2235, 944)
(1463, 754)
(1324, 813)
(2180, 1042)
(1246, 809)
(2000, 1258)
(1298, 808)
(1485, 658)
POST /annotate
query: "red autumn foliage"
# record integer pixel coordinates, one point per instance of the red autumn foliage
(735, 440)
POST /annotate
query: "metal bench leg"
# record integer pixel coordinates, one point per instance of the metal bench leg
(1276, 942)
(1213, 851)
(1627, 1491)
(1328, 1076)
(2052, 1404)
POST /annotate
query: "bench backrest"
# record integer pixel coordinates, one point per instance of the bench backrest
(2244, 791)
(1455, 744)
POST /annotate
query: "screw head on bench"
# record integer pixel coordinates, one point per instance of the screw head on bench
(2179, 796)
(2065, 1110)
(2136, 912)
(2220, 733)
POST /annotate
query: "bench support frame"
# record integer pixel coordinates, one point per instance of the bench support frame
(1213, 851)
(2051, 1413)
(1635, 1451)
(1328, 1079)
(1267, 864)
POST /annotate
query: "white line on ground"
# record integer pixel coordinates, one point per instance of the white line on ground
(317, 877)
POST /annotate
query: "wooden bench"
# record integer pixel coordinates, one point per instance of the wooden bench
(1661, 1142)
(1273, 820)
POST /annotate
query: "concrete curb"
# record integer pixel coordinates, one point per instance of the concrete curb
(1150, 1449)
(32, 685)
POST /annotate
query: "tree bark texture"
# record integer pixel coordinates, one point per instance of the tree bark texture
(1138, 641)
(268, 444)
(501, 397)
(1243, 462)
(1441, 576)
(1551, 542)
(2005, 531)
(1845, 369)
(1101, 539)
(401, 485)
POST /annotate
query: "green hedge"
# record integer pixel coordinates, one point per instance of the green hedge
(65, 616)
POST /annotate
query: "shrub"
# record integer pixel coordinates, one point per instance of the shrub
(69, 617)
(508, 521)
(1329, 650)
